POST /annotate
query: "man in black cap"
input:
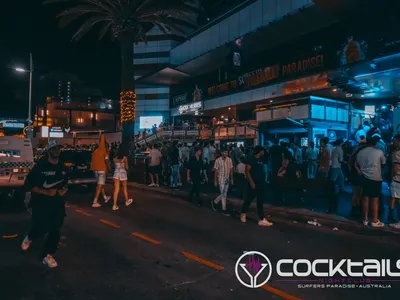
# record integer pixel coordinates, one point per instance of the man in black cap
(256, 178)
(48, 183)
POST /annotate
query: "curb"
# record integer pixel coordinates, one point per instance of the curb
(296, 215)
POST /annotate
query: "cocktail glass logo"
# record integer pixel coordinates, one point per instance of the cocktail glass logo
(253, 269)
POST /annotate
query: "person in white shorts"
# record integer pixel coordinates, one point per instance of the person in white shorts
(121, 176)
(99, 165)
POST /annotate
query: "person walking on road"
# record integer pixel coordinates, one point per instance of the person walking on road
(100, 164)
(256, 181)
(121, 177)
(194, 170)
(47, 182)
(222, 177)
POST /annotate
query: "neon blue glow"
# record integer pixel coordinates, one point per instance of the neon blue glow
(375, 73)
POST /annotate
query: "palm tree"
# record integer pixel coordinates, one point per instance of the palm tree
(128, 21)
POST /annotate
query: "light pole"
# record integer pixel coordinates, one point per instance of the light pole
(30, 86)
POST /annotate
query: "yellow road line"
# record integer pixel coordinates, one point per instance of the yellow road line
(83, 213)
(279, 293)
(109, 223)
(202, 261)
(146, 238)
(11, 236)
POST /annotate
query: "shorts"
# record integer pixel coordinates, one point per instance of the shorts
(121, 174)
(155, 169)
(100, 177)
(371, 188)
(395, 189)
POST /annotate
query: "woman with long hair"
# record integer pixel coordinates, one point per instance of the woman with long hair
(121, 177)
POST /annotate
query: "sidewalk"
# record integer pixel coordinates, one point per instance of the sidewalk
(296, 215)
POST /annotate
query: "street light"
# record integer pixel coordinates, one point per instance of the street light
(30, 71)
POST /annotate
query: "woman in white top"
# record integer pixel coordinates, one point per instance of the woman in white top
(121, 176)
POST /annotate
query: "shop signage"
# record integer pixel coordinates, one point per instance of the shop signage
(190, 108)
(151, 138)
(12, 125)
(192, 132)
(264, 75)
(179, 132)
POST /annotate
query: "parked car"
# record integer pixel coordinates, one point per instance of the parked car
(78, 165)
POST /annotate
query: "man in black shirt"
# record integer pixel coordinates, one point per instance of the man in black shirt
(276, 155)
(174, 161)
(256, 177)
(194, 170)
(47, 182)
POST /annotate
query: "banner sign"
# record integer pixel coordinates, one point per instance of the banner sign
(179, 132)
(192, 132)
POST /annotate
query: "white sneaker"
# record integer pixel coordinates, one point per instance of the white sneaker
(96, 204)
(377, 224)
(243, 218)
(26, 243)
(152, 184)
(264, 222)
(106, 199)
(129, 202)
(115, 207)
(157, 185)
(50, 261)
(365, 222)
(395, 225)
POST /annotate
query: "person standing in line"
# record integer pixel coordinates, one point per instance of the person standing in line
(336, 169)
(356, 180)
(223, 175)
(211, 157)
(324, 160)
(47, 182)
(193, 173)
(205, 162)
(266, 161)
(369, 165)
(276, 154)
(174, 161)
(256, 181)
(155, 165)
(121, 177)
(100, 164)
(164, 162)
(311, 157)
(395, 184)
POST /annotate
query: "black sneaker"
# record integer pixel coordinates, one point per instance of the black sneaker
(213, 205)
(225, 213)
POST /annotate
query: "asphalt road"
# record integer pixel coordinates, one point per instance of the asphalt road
(165, 248)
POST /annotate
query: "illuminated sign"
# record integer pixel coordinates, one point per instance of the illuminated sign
(190, 108)
(13, 125)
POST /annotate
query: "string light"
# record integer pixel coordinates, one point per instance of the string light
(128, 106)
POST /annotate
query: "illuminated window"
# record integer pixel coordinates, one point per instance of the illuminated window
(79, 120)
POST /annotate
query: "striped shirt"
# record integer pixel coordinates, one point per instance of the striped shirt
(224, 168)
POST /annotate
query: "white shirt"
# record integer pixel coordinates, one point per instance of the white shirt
(337, 158)
(223, 168)
(211, 153)
(155, 157)
(205, 155)
(240, 168)
(311, 154)
(370, 161)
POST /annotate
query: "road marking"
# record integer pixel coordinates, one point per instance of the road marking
(11, 236)
(83, 213)
(279, 293)
(146, 238)
(202, 261)
(109, 223)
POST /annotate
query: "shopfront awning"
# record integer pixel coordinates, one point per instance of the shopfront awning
(286, 125)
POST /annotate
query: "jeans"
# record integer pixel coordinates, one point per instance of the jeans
(311, 169)
(266, 171)
(44, 222)
(337, 175)
(258, 193)
(223, 188)
(174, 175)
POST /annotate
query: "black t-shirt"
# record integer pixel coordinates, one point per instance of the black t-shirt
(195, 166)
(257, 170)
(266, 158)
(46, 175)
(275, 153)
(174, 156)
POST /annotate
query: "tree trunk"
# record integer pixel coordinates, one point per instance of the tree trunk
(127, 96)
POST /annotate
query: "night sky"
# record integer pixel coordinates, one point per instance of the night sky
(28, 26)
